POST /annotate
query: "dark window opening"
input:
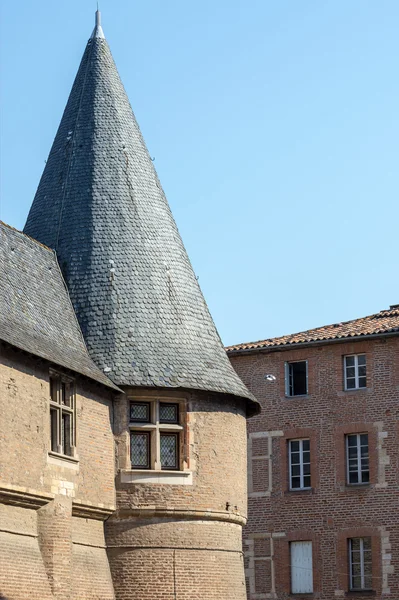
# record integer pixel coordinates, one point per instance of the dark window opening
(297, 378)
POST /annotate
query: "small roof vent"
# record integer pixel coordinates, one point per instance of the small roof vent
(393, 306)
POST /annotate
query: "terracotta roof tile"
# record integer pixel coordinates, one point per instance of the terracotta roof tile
(386, 321)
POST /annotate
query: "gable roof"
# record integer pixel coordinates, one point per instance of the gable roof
(36, 314)
(386, 321)
(101, 206)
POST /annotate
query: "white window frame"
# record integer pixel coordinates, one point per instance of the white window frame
(288, 379)
(305, 583)
(356, 367)
(57, 407)
(362, 575)
(359, 457)
(301, 465)
(155, 428)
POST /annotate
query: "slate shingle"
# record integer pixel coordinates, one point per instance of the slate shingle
(36, 314)
(101, 206)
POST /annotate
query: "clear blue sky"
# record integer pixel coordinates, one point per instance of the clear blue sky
(275, 130)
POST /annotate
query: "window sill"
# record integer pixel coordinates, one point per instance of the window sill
(357, 486)
(354, 391)
(357, 593)
(152, 476)
(62, 459)
(301, 396)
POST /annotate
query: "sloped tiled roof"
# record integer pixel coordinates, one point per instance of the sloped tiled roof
(386, 321)
(36, 314)
(101, 206)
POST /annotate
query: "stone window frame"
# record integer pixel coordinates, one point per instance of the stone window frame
(360, 471)
(362, 563)
(294, 434)
(154, 427)
(60, 409)
(343, 570)
(301, 464)
(340, 435)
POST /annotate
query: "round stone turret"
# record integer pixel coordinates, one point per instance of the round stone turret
(180, 426)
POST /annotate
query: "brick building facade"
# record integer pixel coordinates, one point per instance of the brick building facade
(118, 400)
(323, 460)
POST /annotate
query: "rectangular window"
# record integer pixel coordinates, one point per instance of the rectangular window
(355, 371)
(296, 378)
(360, 568)
(357, 458)
(301, 567)
(155, 435)
(62, 414)
(299, 455)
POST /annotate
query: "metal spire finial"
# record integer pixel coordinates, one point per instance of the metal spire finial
(98, 30)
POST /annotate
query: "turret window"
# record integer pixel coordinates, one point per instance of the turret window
(155, 435)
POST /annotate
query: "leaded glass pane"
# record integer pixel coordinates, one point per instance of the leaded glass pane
(169, 450)
(140, 450)
(66, 433)
(140, 412)
(65, 394)
(54, 429)
(53, 389)
(168, 413)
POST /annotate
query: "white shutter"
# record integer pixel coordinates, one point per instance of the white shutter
(301, 567)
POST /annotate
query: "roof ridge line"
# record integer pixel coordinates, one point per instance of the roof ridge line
(277, 337)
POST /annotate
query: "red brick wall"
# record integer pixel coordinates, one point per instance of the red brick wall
(331, 512)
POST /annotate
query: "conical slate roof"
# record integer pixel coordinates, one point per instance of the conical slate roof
(100, 205)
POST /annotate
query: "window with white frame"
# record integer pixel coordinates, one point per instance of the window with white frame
(296, 378)
(357, 458)
(299, 464)
(355, 371)
(360, 566)
(301, 567)
(155, 435)
(62, 414)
